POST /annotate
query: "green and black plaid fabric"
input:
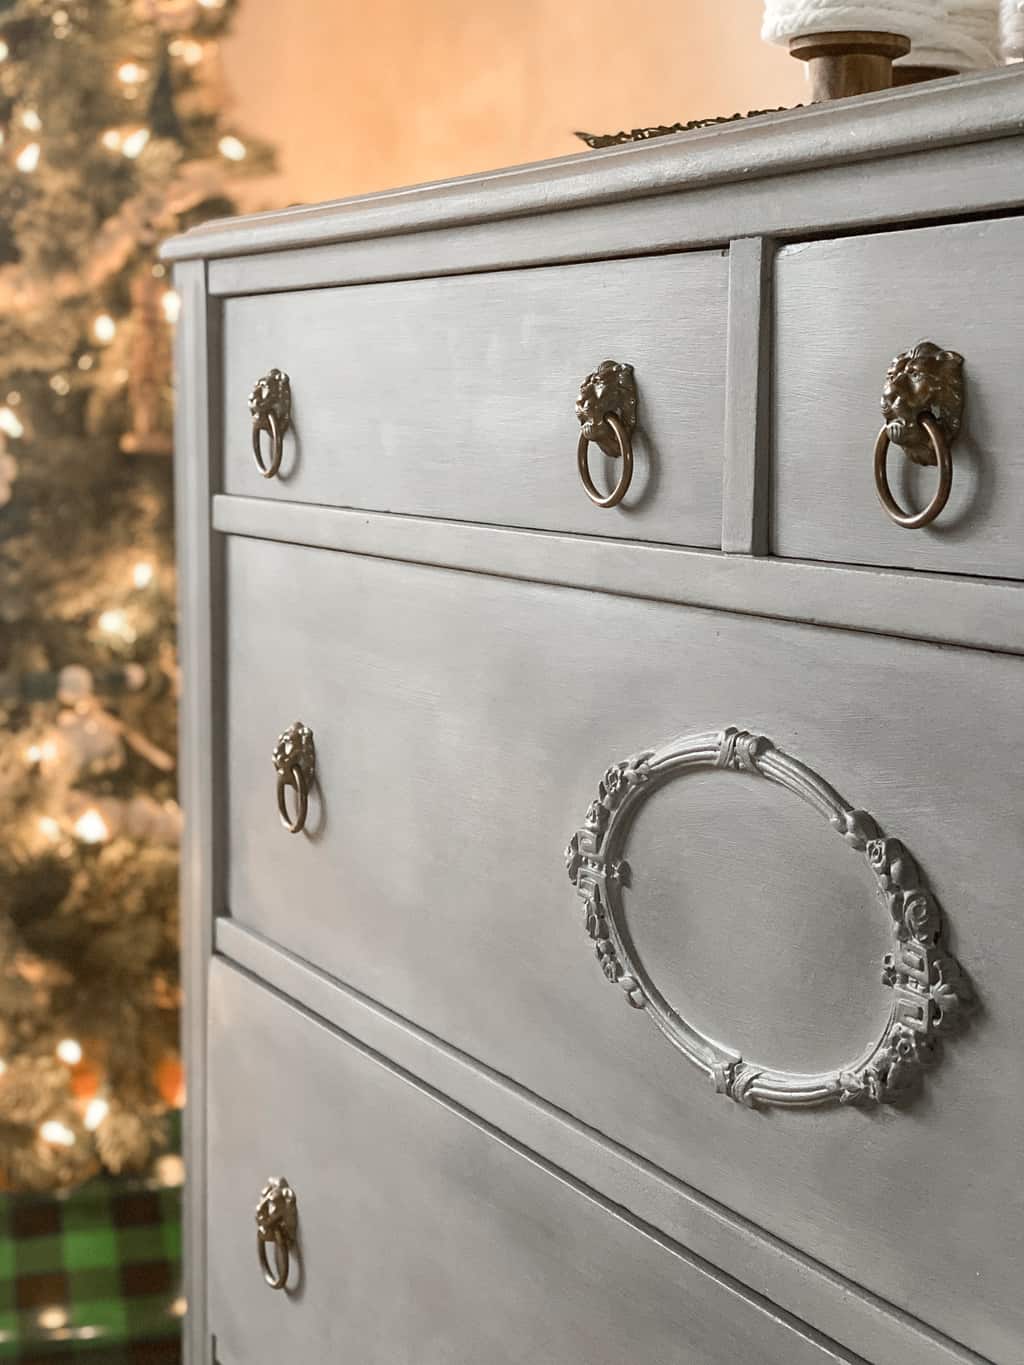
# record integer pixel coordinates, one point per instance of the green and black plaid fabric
(96, 1273)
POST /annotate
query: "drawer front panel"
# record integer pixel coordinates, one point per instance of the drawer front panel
(462, 724)
(455, 397)
(421, 1237)
(843, 310)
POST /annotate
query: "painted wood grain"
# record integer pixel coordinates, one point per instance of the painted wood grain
(745, 470)
(200, 561)
(941, 183)
(977, 612)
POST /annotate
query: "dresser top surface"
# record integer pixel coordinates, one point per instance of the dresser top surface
(942, 113)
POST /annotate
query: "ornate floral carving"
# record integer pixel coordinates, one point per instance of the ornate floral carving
(930, 992)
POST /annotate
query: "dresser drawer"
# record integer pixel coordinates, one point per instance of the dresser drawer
(461, 726)
(422, 1237)
(455, 397)
(843, 310)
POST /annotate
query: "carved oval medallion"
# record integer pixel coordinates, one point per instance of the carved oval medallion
(929, 991)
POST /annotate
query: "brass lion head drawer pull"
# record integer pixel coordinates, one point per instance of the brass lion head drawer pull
(270, 403)
(606, 408)
(277, 1222)
(922, 407)
(295, 764)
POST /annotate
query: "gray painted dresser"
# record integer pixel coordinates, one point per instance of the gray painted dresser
(652, 516)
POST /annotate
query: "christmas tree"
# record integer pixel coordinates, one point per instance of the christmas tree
(112, 137)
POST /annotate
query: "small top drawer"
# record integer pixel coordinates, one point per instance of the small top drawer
(843, 310)
(455, 397)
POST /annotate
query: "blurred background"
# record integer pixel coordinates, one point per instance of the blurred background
(123, 122)
(364, 97)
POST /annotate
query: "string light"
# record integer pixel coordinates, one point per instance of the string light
(114, 622)
(56, 1133)
(3, 1066)
(11, 423)
(190, 52)
(28, 158)
(232, 148)
(33, 753)
(53, 1318)
(85, 362)
(169, 1170)
(31, 120)
(212, 4)
(49, 828)
(111, 139)
(170, 302)
(91, 827)
(95, 1112)
(4, 51)
(59, 384)
(131, 73)
(69, 1050)
(104, 328)
(142, 574)
(135, 143)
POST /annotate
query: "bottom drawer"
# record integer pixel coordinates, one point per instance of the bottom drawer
(422, 1237)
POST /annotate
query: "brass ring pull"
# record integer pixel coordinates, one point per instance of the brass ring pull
(276, 1225)
(606, 409)
(267, 424)
(270, 404)
(294, 761)
(625, 450)
(922, 410)
(913, 520)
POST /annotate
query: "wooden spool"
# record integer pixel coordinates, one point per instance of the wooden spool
(911, 75)
(848, 63)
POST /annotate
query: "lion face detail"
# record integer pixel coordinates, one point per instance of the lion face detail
(271, 396)
(276, 1212)
(609, 390)
(927, 381)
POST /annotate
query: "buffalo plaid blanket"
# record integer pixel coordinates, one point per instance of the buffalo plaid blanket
(95, 1273)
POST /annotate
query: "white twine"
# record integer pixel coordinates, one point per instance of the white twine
(961, 34)
(1011, 25)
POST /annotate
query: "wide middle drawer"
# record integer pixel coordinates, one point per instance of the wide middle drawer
(455, 397)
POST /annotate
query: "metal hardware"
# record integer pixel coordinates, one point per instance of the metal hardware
(295, 764)
(606, 408)
(922, 409)
(270, 403)
(277, 1221)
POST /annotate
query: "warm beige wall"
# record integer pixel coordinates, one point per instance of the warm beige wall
(365, 96)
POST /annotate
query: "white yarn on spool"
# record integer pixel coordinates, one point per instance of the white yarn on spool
(1011, 24)
(961, 34)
